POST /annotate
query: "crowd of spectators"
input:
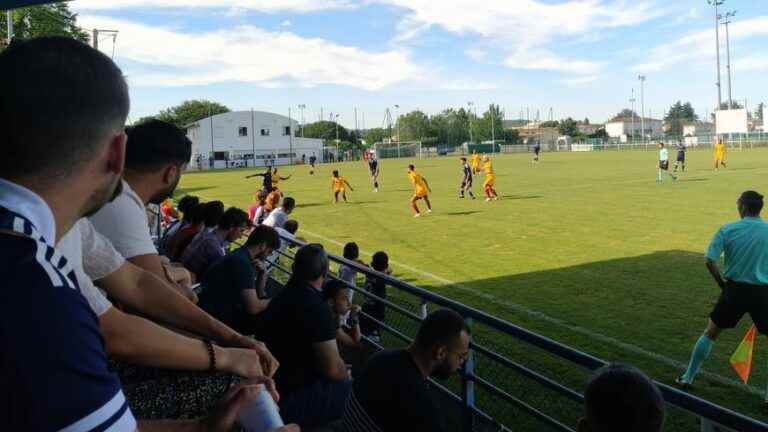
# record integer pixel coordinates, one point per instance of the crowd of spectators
(84, 283)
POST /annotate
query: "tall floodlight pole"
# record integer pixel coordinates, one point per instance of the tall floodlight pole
(642, 106)
(336, 120)
(726, 21)
(290, 136)
(302, 107)
(632, 101)
(717, 3)
(397, 125)
(493, 128)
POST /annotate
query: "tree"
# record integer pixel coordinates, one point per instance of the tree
(626, 112)
(191, 111)
(413, 126)
(735, 105)
(326, 130)
(677, 115)
(550, 124)
(586, 121)
(451, 126)
(759, 111)
(569, 127)
(46, 20)
(490, 125)
(375, 135)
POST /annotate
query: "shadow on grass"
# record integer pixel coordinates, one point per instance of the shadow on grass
(464, 213)
(644, 310)
(685, 180)
(306, 205)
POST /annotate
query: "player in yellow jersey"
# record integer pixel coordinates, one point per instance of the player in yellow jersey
(276, 180)
(421, 190)
(719, 153)
(490, 180)
(474, 162)
(339, 185)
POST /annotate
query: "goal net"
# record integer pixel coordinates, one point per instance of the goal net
(403, 149)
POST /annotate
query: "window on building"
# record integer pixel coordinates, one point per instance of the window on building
(286, 130)
(265, 132)
(242, 131)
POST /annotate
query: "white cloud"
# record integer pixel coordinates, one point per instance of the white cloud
(751, 63)
(463, 85)
(303, 6)
(700, 45)
(539, 59)
(581, 81)
(477, 54)
(165, 57)
(522, 26)
(286, 23)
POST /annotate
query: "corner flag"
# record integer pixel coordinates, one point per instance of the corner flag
(741, 360)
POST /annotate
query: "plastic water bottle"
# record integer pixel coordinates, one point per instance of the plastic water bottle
(260, 415)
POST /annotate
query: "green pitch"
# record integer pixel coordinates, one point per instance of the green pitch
(585, 248)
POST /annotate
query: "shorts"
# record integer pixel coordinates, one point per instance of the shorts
(419, 194)
(467, 184)
(735, 300)
(664, 165)
(490, 180)
(681, 157)
(337, 190)
(719, 157)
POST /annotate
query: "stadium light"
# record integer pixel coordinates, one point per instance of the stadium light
(642, 106)
(726, 21)
(715, 4)
(469, 105)
(302, 107)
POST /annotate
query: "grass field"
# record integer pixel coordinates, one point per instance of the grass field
(585, 248)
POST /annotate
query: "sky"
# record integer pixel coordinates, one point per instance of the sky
(577, 58)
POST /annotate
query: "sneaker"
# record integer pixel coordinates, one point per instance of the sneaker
(474, 197)
(376, 190)
(487, 200)
(429, 210)
(495, 198)
(682, 384)
(417, 215)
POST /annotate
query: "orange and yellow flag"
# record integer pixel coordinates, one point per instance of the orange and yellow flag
(741, 360)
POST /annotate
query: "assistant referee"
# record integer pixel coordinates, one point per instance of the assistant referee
(744, 282)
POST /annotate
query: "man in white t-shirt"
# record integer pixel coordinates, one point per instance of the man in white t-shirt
(287, 236)
(155, 158)
(138, 340)
(279, 216)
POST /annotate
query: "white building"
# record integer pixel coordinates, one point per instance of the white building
(248, 138)
(622, 127)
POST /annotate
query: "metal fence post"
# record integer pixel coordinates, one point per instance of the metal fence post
(468, 387)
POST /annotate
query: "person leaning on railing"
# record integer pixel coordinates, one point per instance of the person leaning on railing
(392, 393)
(299, 330)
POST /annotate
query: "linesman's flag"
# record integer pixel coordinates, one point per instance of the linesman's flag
(741, 360)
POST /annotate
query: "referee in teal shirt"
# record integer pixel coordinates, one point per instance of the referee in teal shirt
(744, 282)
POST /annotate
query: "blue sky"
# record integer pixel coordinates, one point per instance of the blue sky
(579, 57)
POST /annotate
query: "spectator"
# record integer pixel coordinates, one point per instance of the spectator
(272, 202)
(313, 379)
(345, 314)
(138, 340)
(348, 273)
(185, 206)
(376, 286)
(288, 236)
(622, 398)
(154, 161)
(210, 246)
(60, 90)
(392, 392)
(234, 287)
(195, 220)
(261, 199)
(277, 218)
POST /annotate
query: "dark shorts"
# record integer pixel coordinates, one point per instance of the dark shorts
(681, 157)
(664, 165)
(467, 184)
(738, 299)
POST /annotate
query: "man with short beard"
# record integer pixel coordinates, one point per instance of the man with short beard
(392, 392)
(53, 369)
(156, 155)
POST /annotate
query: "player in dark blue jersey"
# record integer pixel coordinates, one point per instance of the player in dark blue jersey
(680, 146)
(373, 169)
(267, 183)
(312, 161)
(466, 180)
(536, 152)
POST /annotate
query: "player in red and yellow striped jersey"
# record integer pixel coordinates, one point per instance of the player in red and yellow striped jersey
(490, 180)
(421, 190)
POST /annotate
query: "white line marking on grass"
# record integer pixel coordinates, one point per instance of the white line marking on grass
(561, 323)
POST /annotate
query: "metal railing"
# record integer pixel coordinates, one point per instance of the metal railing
(493, 389)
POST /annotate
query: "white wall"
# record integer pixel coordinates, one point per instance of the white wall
(225, 137)
(731, 121)
(615, 129)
